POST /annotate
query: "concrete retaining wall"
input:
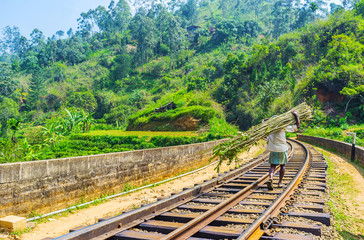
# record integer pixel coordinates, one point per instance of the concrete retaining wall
(340, 147)
(48, 185)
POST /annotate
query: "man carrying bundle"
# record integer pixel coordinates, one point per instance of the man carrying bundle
(277, 145)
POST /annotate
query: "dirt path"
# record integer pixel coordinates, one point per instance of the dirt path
(61, 225)
(356, 199)
(346, 191)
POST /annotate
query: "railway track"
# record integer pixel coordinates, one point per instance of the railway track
(235, 205)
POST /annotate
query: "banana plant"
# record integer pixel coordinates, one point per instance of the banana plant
(14, 125)
(51, 132)
(87, 122)
(31, 152)
(71, 122)
(6, 151)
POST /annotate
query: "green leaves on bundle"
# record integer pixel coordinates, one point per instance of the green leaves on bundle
(229, 150)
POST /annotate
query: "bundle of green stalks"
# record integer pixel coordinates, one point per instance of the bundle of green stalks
(229, 150)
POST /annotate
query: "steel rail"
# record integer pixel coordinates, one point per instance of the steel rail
(195, 225)
(110, 227)
(118, 224)
(255, 231)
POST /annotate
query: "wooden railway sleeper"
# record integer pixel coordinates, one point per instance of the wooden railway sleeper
(255, 230)
(313, 229)
(95, 230)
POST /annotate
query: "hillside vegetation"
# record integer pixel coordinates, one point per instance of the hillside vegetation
(244, 61)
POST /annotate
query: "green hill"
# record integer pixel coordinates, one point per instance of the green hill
(241, 63)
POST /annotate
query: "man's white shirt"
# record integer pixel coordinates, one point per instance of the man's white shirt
(277, 140)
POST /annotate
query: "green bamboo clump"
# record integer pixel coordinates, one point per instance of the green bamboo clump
(229, 150)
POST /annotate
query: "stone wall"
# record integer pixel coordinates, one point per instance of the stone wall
(49, 185)
(340, 147)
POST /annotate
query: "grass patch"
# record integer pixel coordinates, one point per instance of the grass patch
(19, 233)
(342, 201)
(101, 141)
(140, 133)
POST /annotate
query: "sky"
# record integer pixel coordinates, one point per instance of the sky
(49, 16)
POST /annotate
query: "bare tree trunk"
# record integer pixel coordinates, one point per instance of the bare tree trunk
(256, 11)
(142, 57)
(347, 104)
(170, 63)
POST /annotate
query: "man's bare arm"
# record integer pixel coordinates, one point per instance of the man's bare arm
(298, 122)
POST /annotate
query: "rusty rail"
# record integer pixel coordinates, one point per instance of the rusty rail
(158, 221)
(255, 231)
(110, 227)
(203, 220)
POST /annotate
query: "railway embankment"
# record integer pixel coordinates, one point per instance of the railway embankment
(338, 146)
(49, 185)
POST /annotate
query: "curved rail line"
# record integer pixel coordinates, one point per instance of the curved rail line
(235, 205)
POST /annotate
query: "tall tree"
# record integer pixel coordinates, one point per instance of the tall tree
(47, 54)
(190, 11)
(37, 89)
(334, 7)
(144, 31)
(121, 15)
(280, 19)
(169, 30)
(174, 36)
(304, 17)
(102, 19)
(7, 82)
(37, 40)
(313, 7)
(85, 24)
(70, 33)
(60, 34)
(12, 40)
(121, 67)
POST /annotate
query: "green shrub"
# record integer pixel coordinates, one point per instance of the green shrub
(81, 145)
(164, 141)
(219, 127)
(337, 133)
(348, 139)
(359, 133)
(102, 126)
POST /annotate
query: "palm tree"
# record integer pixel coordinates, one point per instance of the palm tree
(313, 7)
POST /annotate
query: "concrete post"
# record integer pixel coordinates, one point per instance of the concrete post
(353, 146)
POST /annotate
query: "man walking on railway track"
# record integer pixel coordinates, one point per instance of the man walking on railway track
(277, 145)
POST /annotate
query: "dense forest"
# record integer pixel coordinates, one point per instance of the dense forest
(223, 63)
